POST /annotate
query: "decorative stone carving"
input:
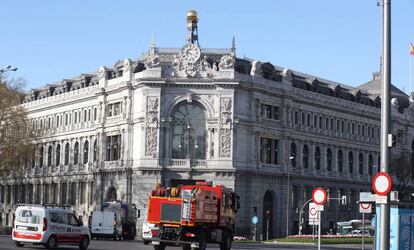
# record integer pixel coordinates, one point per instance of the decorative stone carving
(153, 60)
(226, 62)
(102, 73)
(225, 130)
(287, 74)
(205, 65)
(152, 127)
(394, 103)
(176, 63)
(225, 105)
(127, 65)
(256, 69)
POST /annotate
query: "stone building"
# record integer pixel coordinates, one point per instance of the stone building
(192, 113)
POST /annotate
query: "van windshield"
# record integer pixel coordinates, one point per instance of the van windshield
(29, 216)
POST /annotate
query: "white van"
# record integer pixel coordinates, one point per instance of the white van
(49, 226)
(106, 224)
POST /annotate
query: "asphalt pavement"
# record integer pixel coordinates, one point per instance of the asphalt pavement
(6, 243)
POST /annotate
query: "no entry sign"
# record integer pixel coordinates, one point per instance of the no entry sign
(319, 196)
(381, 183)
(365, 208)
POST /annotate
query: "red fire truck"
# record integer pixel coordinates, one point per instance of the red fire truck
(192, 216)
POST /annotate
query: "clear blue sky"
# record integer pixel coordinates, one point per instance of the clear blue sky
(336, 40)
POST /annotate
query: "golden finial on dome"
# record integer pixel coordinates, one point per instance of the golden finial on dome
(192, 16)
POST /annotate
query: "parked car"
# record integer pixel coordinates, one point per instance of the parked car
(358, 233)
(146, 231)
(49, 226)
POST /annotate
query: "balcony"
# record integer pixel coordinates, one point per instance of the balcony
(187, 163)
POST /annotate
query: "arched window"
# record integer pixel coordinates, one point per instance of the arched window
(41, 152)
(293, 155)
(76, 153)
(67, 154)
(49, 156)
(340, 161)
(189, 132)
(361, 163)
(370, 164)
(305, 156)
(95, 150)
(58, 155)
(350, 162)
(329, 159)
(318, 158)
(85, 152)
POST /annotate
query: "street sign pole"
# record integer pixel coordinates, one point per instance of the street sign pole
(385, 117)
(363, 230)
(319, 230)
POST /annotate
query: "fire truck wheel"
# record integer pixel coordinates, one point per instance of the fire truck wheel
(226, 244)
(202, 240)
(186, 247)
(159, 247)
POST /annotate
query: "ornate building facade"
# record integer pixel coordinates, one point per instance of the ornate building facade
(184, 114)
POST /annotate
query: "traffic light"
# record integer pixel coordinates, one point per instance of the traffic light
(254, 210)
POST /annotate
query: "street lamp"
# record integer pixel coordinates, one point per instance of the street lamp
(7, 68)
(288, 194)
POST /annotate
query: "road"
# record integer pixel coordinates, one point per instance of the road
(7, 244)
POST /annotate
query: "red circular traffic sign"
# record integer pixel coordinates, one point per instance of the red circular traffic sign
(381, 183)
(365, 205)
(312, 211)
(319, 196)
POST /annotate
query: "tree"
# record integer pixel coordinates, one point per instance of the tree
(16, 135)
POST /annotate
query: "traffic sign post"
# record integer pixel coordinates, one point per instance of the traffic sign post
(319, 197)
(382, 184)
(255, 220)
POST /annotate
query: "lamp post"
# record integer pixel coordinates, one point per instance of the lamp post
(7, 68)
(288, 194)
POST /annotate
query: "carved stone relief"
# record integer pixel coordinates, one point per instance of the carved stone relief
(226, 62)
(225, 130)
(152, 127)
(256, 69)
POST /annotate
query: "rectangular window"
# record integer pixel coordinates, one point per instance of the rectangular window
(16, 194)
(76, 117)
(8, 200)
(110, 107)
(37, 193)
(91, 192)
(64, 190)
(117, 108)
(66, 119)
(95, 114)
(73, 192)
(82, 193)
(276, 113)
(89, 114)
(296, 117)
(85, 116)
(275, 151)
(113, 147)
(2, 194)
